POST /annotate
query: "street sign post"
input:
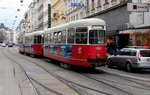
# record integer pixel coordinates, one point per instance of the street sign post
(138, 7)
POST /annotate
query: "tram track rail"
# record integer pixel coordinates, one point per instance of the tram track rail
(36, 91)
(100, 81)
(133, 80)
(110, 81)
(65, 81)
(33, 86)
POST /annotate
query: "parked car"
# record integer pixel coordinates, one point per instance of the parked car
(3, 45)
(130, 58)
(10, 45)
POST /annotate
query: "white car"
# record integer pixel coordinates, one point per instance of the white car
(3, 45)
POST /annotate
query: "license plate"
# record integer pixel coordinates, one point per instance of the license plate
(148, 59)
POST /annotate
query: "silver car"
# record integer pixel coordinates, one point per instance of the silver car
(130, 58)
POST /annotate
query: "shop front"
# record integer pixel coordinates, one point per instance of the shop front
(138, 37)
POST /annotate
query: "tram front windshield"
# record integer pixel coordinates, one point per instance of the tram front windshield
(96, 37)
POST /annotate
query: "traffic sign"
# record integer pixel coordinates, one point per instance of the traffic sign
(138, 7)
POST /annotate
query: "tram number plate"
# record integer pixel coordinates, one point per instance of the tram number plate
(98, 48)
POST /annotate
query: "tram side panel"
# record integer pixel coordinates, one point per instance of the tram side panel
(80, 55)
(35, 49)
(89, 55)
(21, 48)
(28, 48)
(38, 49)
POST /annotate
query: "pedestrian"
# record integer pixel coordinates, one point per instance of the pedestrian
(111, 48)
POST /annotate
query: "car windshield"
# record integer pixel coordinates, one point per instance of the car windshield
(145, 53)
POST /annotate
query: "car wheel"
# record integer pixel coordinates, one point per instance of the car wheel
(129, 67)
(109, 64)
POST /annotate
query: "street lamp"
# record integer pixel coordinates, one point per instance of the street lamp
(18, 9)
(21, 1)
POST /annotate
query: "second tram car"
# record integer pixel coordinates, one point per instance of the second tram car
(80, 43)
(32, 43)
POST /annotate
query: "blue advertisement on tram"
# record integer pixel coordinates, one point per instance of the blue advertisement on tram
(45, 49)
(53, 49)
(66, 51)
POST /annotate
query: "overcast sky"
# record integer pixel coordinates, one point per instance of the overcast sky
(8, 12)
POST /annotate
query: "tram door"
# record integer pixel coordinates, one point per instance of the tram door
(122, 40)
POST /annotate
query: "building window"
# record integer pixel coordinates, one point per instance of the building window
(106, 2)
(92, 4)
(77, 17)
(87, 5)
(74, 18)
(106, 5)
(98, 3)
(81, 15)
(114, 2)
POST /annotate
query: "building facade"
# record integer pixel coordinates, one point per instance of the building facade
(27, 22)
(75, 10)
(139, 27)
(58, 16)
(116, 16)
(121, 24)
(40, 15)
(5, 34)
(34, 16)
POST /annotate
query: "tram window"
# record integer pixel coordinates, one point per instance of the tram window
(59, 37)
(55, 37)
(101, 37)
(45, 39)
(31, 39)
(39, 39)
(63, 36)
(51, 38)
(25, 39)
(81, 36)
(42, 39)
(71, 33)
(96, 37)
(48, 38)
(35, 39)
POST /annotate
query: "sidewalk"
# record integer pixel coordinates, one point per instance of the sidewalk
(8, 83)
(14, 82)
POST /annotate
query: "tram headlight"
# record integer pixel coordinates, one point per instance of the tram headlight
(98, 55)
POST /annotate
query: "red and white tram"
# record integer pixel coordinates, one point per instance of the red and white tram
(32, 43)
(21, 45)
(79, 43)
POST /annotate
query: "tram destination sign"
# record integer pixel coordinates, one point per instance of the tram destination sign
(138, 7)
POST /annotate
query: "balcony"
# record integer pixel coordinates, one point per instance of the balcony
(114, 2)
(106, 5)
